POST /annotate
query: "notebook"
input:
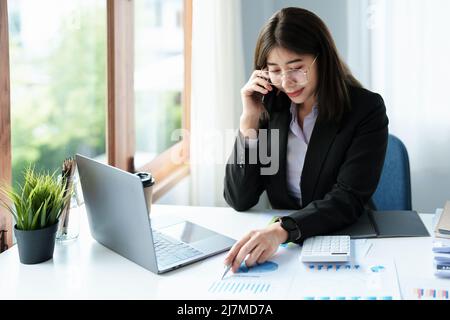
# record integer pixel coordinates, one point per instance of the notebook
(386, 224)
(443, 226)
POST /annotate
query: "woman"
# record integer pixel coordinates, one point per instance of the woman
(328, 134)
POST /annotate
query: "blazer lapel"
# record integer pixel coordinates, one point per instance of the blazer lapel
(280, 121)
(321, 140)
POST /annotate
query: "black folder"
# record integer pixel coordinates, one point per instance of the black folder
(386, 224)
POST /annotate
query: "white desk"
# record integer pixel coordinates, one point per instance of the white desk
(85, 269)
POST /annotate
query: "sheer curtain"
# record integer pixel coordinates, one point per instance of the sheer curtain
(410, 69)
(217, 76)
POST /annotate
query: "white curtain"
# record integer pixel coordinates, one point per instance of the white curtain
(217, 76)
(411, 68)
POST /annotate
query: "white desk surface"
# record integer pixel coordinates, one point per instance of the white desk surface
(84, 269)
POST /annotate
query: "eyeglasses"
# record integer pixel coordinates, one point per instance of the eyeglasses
(297, 76)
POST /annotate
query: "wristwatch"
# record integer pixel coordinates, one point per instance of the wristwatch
(289, 224)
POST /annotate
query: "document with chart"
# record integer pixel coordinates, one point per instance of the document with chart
(360, 279)
(269, 280)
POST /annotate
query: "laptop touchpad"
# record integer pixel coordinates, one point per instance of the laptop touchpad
(187, 232)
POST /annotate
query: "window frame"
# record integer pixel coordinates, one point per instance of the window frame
(5, 119)
(121, 129)
(120, 135)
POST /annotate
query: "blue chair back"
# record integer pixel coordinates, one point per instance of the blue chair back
(394, 189)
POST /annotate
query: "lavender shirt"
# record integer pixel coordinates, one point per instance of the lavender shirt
(297, 146)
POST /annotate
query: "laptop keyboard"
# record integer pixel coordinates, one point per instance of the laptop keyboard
(169, 251)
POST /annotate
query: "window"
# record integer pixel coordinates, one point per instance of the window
(158, 76)
(67, 85)
(161, 102)
(58, 81)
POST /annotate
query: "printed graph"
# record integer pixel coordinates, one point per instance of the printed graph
(314, 267)
(377, 269)
(239, 287)
(347, 281)
(430, 294)
(332, 267)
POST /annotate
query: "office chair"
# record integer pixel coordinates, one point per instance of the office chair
(394, 189)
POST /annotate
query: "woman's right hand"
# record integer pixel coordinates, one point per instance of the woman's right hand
(251, 95)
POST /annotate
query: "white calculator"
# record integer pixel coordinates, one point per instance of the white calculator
(326, 249)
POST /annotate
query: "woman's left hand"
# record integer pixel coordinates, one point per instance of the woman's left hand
(259, 245)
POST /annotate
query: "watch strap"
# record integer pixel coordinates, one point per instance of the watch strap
(294, 234)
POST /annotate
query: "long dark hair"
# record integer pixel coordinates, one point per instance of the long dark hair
(301, 31)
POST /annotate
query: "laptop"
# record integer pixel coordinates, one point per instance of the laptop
(119, 220)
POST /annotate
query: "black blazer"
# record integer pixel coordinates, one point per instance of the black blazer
(341, 171)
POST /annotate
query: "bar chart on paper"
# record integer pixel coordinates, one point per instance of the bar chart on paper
(376, 280)
(430, 294)
(247, 281)
(426, 289)
(267, 280)
(240, 287)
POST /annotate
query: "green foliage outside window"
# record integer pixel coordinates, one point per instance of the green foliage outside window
(171, 121)
(64, 114)
(59, 105)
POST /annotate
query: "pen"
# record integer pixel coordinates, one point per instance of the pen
(228, 267)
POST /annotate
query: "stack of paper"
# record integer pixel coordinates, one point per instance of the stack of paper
(441, 242)
(441, 251)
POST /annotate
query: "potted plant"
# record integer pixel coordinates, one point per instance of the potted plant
(36, 206)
